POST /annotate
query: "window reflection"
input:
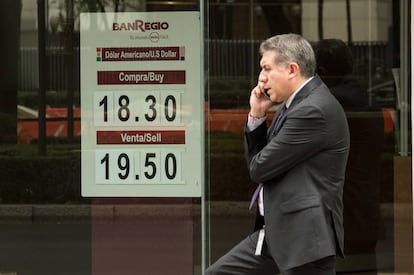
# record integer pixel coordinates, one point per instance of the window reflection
(370, 28)
(371, 32)
(363, 221)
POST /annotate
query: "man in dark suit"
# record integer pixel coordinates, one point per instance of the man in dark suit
(299, 162)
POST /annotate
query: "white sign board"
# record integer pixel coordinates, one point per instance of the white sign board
(142, 106)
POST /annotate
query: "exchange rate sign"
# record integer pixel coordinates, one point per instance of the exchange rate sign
(142, 104)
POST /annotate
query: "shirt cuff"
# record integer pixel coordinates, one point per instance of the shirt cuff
(253, 122)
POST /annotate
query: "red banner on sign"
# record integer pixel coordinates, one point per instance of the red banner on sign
(140, 137)
(140, 77)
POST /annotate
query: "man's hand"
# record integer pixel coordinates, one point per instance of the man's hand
(259, 101)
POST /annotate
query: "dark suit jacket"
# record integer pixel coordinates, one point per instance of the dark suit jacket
(302, 166)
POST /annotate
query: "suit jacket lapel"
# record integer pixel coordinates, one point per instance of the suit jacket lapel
(305, 91)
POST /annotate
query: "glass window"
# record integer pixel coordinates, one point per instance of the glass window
(48, 227)
(361, 54)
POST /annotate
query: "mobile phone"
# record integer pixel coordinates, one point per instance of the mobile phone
(266, 94)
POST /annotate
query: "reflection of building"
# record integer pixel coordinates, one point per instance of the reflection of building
(370, 20)
(235, 27)
(28, 33)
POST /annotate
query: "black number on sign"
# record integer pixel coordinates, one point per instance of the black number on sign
(123, 164)
(170, 174)
(123, 112)
(104, 102)
(151, 117)
(149, 162)
(105, 160)
(170, 100)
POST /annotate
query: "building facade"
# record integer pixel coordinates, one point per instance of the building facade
(48, 227)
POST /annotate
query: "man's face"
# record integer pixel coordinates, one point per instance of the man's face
(274, 77)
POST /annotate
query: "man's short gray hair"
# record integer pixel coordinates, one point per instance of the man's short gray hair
(292, 48)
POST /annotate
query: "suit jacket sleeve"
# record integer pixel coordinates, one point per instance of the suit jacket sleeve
(301, 134)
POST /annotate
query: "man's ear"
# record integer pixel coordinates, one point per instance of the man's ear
(293, 69)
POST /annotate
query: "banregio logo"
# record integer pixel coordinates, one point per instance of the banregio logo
(140, 25)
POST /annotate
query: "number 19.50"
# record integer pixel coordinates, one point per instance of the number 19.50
(150, 169)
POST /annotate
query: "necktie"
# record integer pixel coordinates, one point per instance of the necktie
(260, 185)
(255, 195)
